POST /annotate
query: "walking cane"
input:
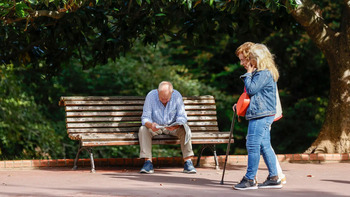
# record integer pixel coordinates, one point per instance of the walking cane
(228, 146)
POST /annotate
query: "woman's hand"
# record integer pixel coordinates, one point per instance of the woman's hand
(234, 107)
(250, 68)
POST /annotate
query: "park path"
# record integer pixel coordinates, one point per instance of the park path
(307, 179)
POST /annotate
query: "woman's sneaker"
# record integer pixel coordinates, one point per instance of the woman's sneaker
(246, 184)
(282, 178)
(271, 182)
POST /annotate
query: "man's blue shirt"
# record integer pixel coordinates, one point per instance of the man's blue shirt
(155, 111)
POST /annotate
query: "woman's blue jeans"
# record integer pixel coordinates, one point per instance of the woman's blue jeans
(258, 142)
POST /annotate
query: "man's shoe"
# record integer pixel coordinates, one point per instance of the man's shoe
(282, 178)
(189, 168)
(271, 182)
(147, 167)
(246, 184)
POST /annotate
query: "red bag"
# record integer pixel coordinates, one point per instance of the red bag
(242, 104)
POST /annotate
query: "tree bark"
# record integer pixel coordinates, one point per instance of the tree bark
(334, 136)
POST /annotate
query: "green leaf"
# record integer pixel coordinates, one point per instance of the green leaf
(33, 1)
(4, 13)
(139, 2)
(20, 9)
(161, 14)
(57, 3)
(4, 4)
(148, 1)
(268, 4)
(189, 4)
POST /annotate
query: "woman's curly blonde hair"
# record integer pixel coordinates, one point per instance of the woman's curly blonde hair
(260, 55)
(244, 49)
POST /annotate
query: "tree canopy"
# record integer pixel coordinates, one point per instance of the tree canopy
(94, 31)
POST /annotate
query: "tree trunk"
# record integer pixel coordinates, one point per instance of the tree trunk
(334, 136)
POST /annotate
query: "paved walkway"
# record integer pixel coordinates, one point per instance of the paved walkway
(326, 179)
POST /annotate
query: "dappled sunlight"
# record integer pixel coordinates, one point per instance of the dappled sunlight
(345, 96)
(346, 76)
(344, 142)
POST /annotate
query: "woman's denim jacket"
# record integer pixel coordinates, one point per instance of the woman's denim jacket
(261, 89)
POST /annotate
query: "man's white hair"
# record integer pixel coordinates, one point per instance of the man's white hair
(165, 84)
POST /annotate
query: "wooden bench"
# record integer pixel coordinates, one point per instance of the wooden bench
(115, 120)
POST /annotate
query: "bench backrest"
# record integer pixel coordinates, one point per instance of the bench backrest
(122, 114)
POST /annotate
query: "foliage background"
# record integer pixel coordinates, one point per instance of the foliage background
(32, 124)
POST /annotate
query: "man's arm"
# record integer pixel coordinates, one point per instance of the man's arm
(146, 118)
(181, 115)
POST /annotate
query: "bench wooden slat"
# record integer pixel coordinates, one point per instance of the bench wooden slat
(103, 130)
(104, 119)
(131, 113)
(155, 141)
(161, 142)
(199, 102)
(201, 118)
(111, 98)
(131, 108)
(132, 129)
(131, 102)
(132, 136)
(78, 103)
(204, 97)
(122, 124)
(110, 113)
(94, 125)
(103, 108)
(99, 98)
(134, 118)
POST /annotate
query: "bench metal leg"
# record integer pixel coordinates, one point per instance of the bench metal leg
(92, 161)
(77, 157)
(216, 158)
(212, 147)
(91, 158)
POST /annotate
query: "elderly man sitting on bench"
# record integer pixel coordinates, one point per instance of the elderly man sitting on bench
(164, 106)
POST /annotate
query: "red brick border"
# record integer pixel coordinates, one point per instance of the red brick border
(206, 161)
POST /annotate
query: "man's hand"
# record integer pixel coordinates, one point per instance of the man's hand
(172, 128)
(153, 127)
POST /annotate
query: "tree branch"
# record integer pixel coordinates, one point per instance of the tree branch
(347, 4)
(36, 14)
(309, 15)
(52, 14)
